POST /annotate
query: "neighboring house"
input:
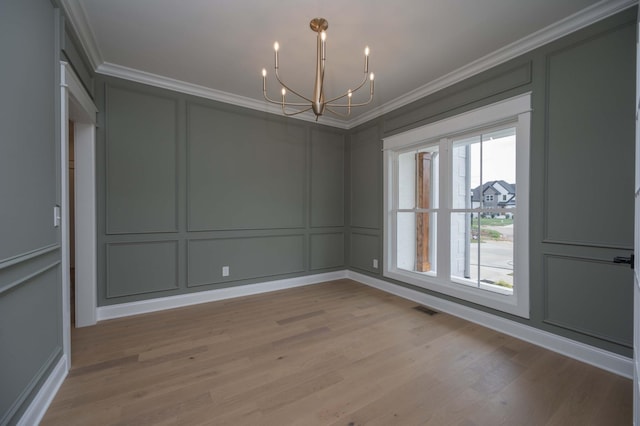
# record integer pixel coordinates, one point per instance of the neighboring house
(496, 194)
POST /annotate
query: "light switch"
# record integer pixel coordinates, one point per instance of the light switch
(225, 271)
(375, 263)
(57, 216)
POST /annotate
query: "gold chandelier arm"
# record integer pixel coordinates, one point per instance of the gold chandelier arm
(352, 105)
(290, 89)
(364, 80)
(339, 114)
(289, 114)
(266, 98)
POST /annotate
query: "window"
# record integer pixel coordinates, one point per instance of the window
(444, 228)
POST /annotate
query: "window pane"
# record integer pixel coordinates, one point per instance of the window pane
(427, 170)
(465, 172)
(482, 251)
(464, 242)
(484, 170)
(416, 242)
(407, 180)
(418, 179)
(498, 171)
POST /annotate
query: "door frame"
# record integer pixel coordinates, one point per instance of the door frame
(636, 243)
(77, 105)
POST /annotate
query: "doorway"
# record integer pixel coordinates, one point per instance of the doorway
(78, 225)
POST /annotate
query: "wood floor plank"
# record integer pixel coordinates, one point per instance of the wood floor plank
(337, 353)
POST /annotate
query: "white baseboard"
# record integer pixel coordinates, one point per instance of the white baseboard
(38, 407)
(159, 304)
(600, 358)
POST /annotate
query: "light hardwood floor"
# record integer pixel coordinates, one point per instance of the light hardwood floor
(337, 353)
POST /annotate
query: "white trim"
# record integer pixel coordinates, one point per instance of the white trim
(85, 224)
(74, 95)
(64, 211)
(159, 304)
(517, 112)
(479, 117)
(156, 80)
(568, 25)
(74, 10)
(38, 407)
(597, 357)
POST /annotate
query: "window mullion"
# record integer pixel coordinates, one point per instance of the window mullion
(444, 218)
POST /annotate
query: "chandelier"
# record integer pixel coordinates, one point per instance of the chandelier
(318, 103)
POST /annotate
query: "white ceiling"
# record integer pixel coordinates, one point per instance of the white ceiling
(219, 47)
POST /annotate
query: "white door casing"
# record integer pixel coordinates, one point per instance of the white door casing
(78, 106)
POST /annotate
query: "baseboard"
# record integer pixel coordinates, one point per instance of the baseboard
(38, 407)
(600, 358)
(159, 304)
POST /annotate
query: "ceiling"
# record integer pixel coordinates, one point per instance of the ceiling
(217, 48)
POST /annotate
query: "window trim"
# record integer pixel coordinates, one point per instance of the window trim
(516, 110)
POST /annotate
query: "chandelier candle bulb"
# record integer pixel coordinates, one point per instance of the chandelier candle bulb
(366, 60)
(317, 102)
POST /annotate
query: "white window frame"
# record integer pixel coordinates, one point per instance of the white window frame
(516, 110)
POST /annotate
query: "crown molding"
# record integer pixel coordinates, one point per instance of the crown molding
(156, 80)
(579, 20)
(77, 16)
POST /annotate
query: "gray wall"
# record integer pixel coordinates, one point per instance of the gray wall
(30, 280)
(582, 174)
(187, 186)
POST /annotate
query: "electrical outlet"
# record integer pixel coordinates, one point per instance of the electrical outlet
(375, 263)
(225, 271)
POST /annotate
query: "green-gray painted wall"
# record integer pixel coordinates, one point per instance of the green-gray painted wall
(582, 173)
(30, 277)
(187, 186)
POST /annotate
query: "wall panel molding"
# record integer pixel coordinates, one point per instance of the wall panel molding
(141, 161)
(326, 250)
(134, 268)
(443, 104)
(55, 355)
(576, 139)
(587, 295)
(244, 173)
(247, 258)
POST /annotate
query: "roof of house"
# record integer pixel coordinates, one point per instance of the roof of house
(510, 188)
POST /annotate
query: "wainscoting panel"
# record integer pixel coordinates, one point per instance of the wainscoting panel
(365, 248)
(141, 267)
(327, 250)
(327, 179)
(584, 204)
(366, 178)
(31, 335)
(590, 297)
(141, 162)
(496, 81)
(244, 172)
(247, 258)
